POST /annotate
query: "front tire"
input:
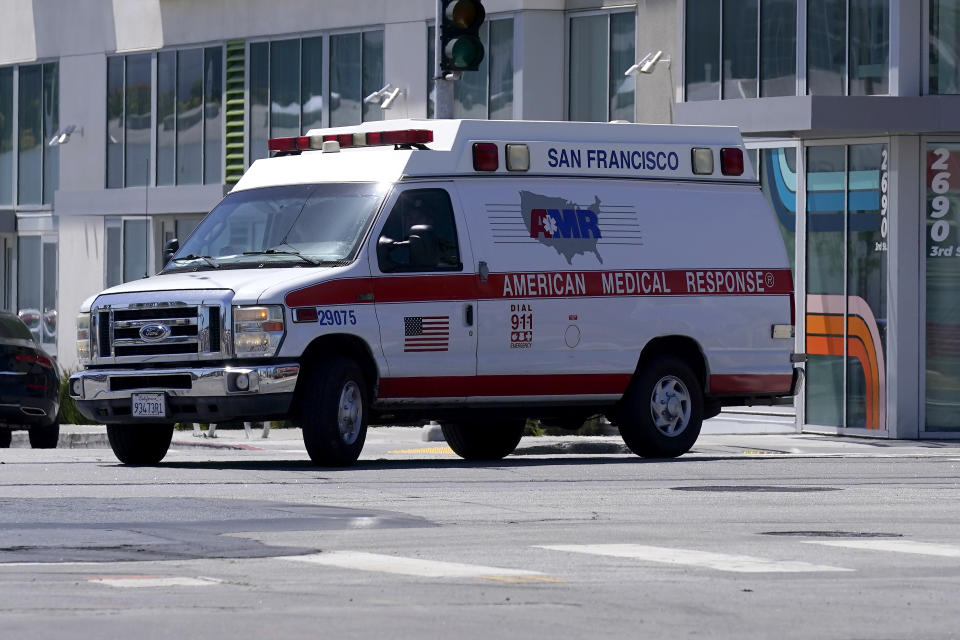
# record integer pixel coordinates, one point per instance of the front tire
(140, 444)
(662, 411)
(480, 441)
(45, 437)
(333, 410)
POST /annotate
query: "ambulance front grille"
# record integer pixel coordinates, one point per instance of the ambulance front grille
(158, 331)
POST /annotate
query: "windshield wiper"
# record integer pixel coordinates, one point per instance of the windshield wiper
(208, 259)
(282, 252)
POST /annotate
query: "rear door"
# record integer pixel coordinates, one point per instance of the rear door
(424, 294)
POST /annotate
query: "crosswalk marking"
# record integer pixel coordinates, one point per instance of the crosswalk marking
(690, 557)
(898, 546)
(382, 563)
(134, 582)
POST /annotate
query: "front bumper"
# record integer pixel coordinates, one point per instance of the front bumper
(193, 394)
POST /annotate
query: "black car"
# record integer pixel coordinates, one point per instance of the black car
(29, 386)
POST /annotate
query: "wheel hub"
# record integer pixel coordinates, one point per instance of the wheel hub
(350, 415)
(670, 406)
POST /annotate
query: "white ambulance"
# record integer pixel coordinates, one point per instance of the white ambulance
(478, 273)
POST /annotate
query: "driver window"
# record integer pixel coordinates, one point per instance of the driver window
(420, 234)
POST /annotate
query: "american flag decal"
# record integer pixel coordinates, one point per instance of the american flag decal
(426, 333)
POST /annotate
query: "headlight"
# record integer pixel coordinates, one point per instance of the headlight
(83, 338)
(257, 331)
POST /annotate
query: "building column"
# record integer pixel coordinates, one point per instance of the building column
(903, 289)
(538, 77)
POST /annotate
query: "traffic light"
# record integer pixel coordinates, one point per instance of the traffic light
(461, 46)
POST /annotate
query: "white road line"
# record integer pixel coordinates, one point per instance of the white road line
(134, 582)
(898, 546)
(689, 557)
(381, 563)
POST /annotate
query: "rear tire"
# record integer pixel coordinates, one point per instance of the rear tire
(333, 409)
(141, 444)
(662, 411)
(6, 437)
(45, 437)
(483, 441)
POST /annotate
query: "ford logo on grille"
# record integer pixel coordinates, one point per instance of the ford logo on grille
(154, 332)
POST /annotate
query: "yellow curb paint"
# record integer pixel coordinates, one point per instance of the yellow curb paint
(440, 450)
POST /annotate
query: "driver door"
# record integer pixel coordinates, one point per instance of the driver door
(425, 297)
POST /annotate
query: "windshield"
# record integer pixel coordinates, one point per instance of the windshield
(292, 225)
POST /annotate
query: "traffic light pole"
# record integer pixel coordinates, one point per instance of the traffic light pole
(444, 87)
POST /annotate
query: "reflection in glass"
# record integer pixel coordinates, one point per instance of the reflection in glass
(739, 49)
(826, 183)
(431, 64)
(866, 287)
(212, 115)
(49, 319)
(470, 92)
(869, 47)
(284, 88)
(588, 69)
(345, 80)
(259, 100)
(778, 48)
(6, 136)
(943, 282)
(372, 72)
(137, 121)
(622, 57)
(115, 122)
(500, 52)
(778, 180)
(114, 259)
(945, 46)
(30, 284)
(826, 47)
(702, 50)
(166, 114)
(30, 163)
(51, 124)
(189, 116)
(311, 87)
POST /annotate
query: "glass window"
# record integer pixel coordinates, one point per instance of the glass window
(135, 243)
(943, 282)
(284, 88)
(420, 234)
(622, 57)
(259, 116)
(137, 90)
(826, 47)
(212, 115)
(189, 116)
(30, 284)
(702, 50)
(31, 143)
(778, 47)
(778, 179)
(311, 84)
(51, 124)
(114, 250)
(488, 91)
(6, 136)
(166, 114)
(826, 168)
(115, 128)
(372, 62)
(740, 49)
(944, 46)
(345, 80)
(49, 293)
(588, 69)
(869, 47)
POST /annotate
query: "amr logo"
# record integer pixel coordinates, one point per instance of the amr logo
(564, 223)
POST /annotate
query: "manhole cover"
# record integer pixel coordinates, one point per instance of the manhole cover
(754, 489)
(833, 534)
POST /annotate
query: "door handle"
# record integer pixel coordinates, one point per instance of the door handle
(484, 271)
(468, 315)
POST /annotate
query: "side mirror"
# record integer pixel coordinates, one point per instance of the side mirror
(169, 249)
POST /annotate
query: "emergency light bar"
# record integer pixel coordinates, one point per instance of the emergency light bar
(360, 139)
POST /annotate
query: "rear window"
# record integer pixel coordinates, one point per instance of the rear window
(12, 328)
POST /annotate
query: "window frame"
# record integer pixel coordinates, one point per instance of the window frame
(570, 15)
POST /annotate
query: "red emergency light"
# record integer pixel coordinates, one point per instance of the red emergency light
(403, 137)
(731, 161)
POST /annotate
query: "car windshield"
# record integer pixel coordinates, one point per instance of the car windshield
(292, 225)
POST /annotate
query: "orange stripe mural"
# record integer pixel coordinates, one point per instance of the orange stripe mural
(825, 333)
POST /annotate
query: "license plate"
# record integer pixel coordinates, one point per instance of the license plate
(148, 405)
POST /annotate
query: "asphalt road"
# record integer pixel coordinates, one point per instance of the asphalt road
(749, 536)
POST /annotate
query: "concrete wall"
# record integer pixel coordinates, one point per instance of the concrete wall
(81, 260)
(657, 31)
